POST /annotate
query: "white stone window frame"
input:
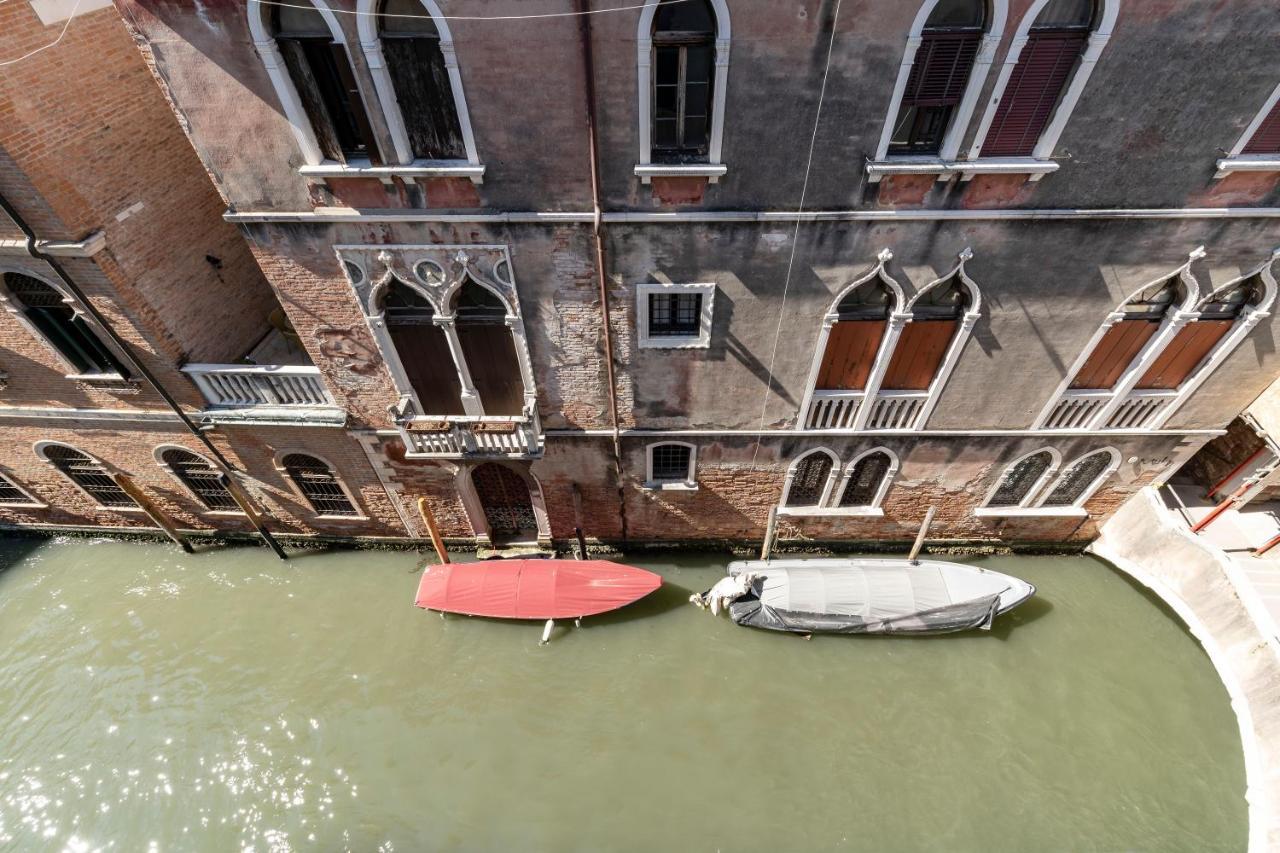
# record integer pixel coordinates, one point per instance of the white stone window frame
(835, 490)
(897, 319)
(264, 40)
(688, 484)
(1028, 506)
(14, 307)
(824, 498)
(944, 163)
(158, 454)
(371, 44)
(1078, 504)
(1238, 162)
(1040, 163)
(702, 340)
(371, 307)
(714, 168)
(277, 462)
(41, 446)
(469, 496)
(32, 502)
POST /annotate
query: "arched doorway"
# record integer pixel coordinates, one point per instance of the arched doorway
(508, 506)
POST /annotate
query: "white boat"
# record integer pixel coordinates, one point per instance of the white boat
(864, 596)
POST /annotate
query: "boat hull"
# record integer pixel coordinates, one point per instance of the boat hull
(533, 589)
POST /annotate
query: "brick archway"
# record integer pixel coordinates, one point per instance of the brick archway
(507, 502)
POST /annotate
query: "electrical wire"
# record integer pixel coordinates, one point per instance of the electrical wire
(795, 237)
(308, 6)
(54, 43)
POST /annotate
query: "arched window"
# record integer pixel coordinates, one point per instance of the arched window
(321, 73)
(200, 477)
(1055, 43)
(1022, 479)
(809, 479)
(420, 78)
(423, 350)
(1143, 316)
(862, 316)
(318, 484)
(1193, 343)
(11, 494)
(684, 46)
(939, 76)
(489, 349)
(868, 480)
(1082, 477)
(936, 317)
(87, 473)
(670, 463)
(64, 329)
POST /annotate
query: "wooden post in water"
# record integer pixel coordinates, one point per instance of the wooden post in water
(770, 529)
(149, 507)
(251, 513)
(924, 529)
(577, 522)
(427, 516)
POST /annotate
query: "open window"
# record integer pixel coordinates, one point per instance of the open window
(316, 481)
(200, 477)
(421, 81)
(51, 315)
(88, 474)
(422, 349)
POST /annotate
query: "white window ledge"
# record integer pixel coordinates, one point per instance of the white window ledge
(351, 518)
(224, 513)
(711, 171)
(1248, 163)
(877, 169)
(24, 506)
(416, 169)
(840, 511)
(670, 486)
(1031, 512)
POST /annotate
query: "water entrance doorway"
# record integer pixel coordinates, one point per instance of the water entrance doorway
(508, 506)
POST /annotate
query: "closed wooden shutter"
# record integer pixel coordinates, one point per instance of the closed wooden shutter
(1266, 139)
(424, 352)
(851, 351)
(425, 94)
(919, 353)
(495, 371)
(1114, 353)
(1184, 353)
(295, 60)
(941, 69)
(1032, 93)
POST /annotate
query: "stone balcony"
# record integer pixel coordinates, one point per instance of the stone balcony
(468, 436)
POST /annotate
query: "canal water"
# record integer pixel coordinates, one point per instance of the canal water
(151, 700)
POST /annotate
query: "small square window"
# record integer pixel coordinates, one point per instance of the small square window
(670, 465)
(675, 315)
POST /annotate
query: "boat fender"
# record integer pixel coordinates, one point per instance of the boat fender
(546, 632)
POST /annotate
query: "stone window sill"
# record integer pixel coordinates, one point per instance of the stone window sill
(651, 486)
(354, 519)
(1031, 512)
(833, 512)
(966, 169)
(416, 169)
(711, 171)
(24, 506)
(104, 378)
(224, 513)
(1248, 163)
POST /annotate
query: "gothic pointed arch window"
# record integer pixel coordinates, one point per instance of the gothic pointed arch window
(47, 311)
(489, 348)
(868, 479)
(200, 477)
(316, 481)
(936, 318)
(1021, 480)
(421, 80)
(809, 479)
(1143, 316)
(1081, 479)
(321, 74)
(1188, 350)
(422, 349)
(88, 474)
(861, 318)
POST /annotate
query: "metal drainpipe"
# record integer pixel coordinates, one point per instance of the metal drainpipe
(127, 351)
(597, 227)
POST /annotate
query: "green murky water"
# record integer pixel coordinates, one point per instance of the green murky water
(153, 700)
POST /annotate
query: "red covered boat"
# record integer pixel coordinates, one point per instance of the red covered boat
(533, 589)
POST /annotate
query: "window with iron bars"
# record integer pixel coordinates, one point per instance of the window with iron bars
(201, 479)
(89, 475)
(11, 493)
(675, 314)
(318, 484)
(670, 463)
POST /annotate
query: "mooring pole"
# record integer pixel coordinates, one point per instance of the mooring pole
(250, 512)
(924, 529)
(770, 528)
(577, 522)
(424, 509)
(153, 512)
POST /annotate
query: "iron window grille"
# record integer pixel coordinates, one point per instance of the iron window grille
(67, 331)
(201, 479)
(670, 463)
(318, 484)
(10, 493)
(1073, 484)
(89, 475)
(1018, 481)
(675, 314)
(865, 479)
(809, 480)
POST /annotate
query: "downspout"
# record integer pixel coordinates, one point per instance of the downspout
(228, 471)
(597, 229)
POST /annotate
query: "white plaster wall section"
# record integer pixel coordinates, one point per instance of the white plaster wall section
(57, 11)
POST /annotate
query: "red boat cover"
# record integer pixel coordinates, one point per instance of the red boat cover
(533, 589)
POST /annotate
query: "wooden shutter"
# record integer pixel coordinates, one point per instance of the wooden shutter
(295, 60)
(1114, 353)
(851, 351)
(919, 353)
(425, 94)
(491, 359)
(1184, 353)
(941, 69)
(1034, 88)
(1266, 139)
(424, 352)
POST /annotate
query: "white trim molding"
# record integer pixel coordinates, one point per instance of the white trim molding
(86, 248)
(277, 462)
(1237, 162)
(838, 482)
(702, 340)
(960, 119)
(714, 168)
(41, 446)
(1039, 163)
(1092, 486)
(689, 483)
(824, 495)
(961, 337)
(1027, 501)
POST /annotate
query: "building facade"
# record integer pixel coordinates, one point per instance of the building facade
(657, 271)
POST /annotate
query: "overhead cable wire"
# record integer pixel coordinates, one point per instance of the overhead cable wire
(795, 235)
(74, 10)
(309, 6)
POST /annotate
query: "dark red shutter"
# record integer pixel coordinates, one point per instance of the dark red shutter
(1266, 139)
(1037, 82)
(941, 69)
